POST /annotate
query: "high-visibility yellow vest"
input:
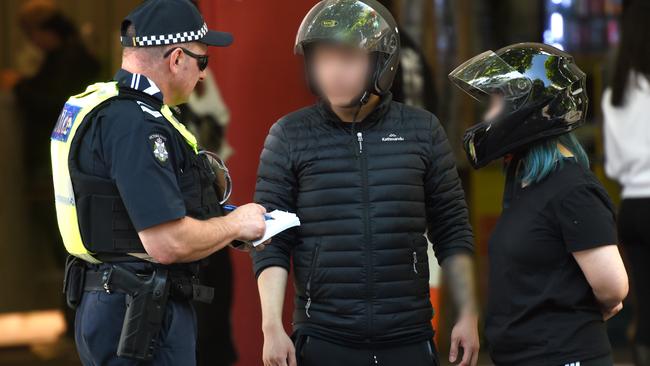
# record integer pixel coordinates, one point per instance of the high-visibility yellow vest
(74, 114)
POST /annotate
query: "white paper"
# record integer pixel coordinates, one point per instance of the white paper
(281, 221)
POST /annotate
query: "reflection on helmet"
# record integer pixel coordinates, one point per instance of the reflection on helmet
(351, 22)
(544, 94)
(364, 24)
(487, 74)
(220, 175)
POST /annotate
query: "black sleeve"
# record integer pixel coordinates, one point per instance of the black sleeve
(447, 217)
(140, 156)
(275, 189)
(586, 218)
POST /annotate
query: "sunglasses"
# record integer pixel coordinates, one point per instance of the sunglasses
(216, 164)
(201, 60)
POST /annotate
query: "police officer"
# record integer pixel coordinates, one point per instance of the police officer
(137, 200)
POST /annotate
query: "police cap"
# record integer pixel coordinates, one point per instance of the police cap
(164, 22)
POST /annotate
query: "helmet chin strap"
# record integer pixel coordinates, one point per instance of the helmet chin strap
(361, 102)
(364, 98)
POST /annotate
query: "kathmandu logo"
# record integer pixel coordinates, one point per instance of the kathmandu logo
(392, 137)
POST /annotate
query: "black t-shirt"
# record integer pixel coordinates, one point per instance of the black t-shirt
(541, 309)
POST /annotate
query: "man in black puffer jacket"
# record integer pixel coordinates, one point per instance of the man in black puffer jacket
(367, 177)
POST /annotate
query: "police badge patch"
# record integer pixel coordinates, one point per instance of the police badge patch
(159, 146)
(64, 123)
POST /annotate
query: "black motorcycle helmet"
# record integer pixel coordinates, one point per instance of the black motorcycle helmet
(544, 95)
(365, 24)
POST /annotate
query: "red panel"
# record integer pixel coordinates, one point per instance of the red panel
(261, 80)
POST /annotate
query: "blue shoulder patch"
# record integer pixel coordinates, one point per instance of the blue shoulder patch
(63, 126)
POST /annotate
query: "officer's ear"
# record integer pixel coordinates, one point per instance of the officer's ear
(175, 59)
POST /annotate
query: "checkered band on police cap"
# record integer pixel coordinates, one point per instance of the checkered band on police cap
(165, 39)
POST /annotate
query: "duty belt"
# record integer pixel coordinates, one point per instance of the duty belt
(118, 279)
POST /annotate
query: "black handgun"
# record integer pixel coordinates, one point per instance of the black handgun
(146, 301)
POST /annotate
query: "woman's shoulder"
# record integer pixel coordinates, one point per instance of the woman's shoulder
(572, 175)
(575, 183)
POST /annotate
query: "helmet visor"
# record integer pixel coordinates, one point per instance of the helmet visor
(488, 74)
(350, 22)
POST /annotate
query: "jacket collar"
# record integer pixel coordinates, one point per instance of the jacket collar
(138, 82)
(376, 115)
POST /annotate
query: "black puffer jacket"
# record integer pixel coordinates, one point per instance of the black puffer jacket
(365, 195)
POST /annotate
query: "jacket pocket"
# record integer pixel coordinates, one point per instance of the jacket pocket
(310, 277)
(414, 257)
(415, 262)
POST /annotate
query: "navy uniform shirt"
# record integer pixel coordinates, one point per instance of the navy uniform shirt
(131, 143)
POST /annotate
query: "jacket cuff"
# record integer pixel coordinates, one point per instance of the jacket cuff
(260, 265)
(463, 247)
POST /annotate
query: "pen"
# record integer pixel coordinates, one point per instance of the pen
(231, 208)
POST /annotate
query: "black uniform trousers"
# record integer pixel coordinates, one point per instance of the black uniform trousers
(98, 325)
(635, 239)
(312, 351)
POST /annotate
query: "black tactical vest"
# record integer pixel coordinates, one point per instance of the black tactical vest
(105, 226)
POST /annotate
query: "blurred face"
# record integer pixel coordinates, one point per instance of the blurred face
(340, 73)
(185, 72)
(43, 39)
(495, 107)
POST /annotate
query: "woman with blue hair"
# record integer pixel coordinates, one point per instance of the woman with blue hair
(556, 274)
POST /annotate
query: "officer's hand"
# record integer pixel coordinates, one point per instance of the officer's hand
(278, 349)
(249, 219)
(465, 336)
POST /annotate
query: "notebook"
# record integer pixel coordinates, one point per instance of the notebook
(277, 221)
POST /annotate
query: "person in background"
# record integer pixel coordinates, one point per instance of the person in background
(555, 271)
(414, 82)
(626, 106)
(367, 177)
(66, 68)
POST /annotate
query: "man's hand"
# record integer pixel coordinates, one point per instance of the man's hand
(249, 221)
(457, 272)
(278, 348)
(609, 313)
(465, 336)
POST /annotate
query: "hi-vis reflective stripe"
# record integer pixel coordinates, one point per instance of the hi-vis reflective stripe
(71, 118)
(187, 135)
(573, 364)
(73, 114)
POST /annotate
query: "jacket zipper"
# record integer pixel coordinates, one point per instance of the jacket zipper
(360, 140)
(414, 253)
(366, 223)
(314, 259)
(415, 262)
